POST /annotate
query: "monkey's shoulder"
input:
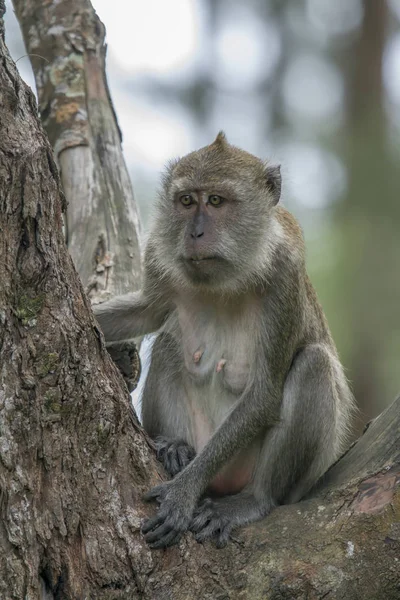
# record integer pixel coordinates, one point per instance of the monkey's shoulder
(290, 226)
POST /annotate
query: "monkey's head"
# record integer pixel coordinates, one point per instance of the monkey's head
(214, 222)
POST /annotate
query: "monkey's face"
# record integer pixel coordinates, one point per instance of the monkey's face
(214, 215)
(205, 217)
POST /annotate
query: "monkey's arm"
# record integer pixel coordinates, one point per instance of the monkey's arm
(136, 314)
(130, 316)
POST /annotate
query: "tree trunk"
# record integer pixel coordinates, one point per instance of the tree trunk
(66, 42)
(74, 462)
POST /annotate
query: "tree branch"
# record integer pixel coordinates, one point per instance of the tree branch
(65, 42)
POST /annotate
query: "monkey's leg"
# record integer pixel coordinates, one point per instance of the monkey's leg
(164, 410)
(174, 454)
(294, 454)
(307, 440)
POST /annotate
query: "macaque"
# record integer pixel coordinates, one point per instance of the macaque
(246, 398)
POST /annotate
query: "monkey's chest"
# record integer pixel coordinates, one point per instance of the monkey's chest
(218, 344)
(215, 375)
(217, 349)
(216, 358)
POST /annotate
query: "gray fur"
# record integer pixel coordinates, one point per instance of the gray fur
(244, 370)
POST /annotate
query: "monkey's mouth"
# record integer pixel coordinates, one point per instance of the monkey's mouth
(204, 269)
(197, 260)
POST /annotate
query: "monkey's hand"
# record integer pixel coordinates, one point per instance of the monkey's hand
(174, 455)
(176, 506)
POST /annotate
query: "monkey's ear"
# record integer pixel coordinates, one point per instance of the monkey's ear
(221, 139)
(274, 181)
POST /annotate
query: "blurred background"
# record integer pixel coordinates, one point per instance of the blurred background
(311, 84)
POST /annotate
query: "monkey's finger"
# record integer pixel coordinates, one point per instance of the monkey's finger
(171, 461)
(156, 493)
(158, 533)
(152, 523)
(161, 451)
(185, 455)
(168, 540)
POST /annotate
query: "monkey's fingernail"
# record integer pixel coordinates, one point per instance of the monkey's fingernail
(197, 356)
(220, 365)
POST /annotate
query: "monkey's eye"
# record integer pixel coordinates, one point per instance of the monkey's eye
(186, 200)
(215, 200)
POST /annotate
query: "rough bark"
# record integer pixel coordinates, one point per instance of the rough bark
(65, 40)
(74, 462)
(65, 416)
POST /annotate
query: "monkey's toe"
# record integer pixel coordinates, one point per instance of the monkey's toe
(174, 455)
(217, 530)
(210, 523)
(201, 515)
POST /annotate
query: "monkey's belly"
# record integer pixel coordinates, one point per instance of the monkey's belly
(235, 475)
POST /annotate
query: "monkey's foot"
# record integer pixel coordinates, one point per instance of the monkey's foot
(215, 519)
(174, 455)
